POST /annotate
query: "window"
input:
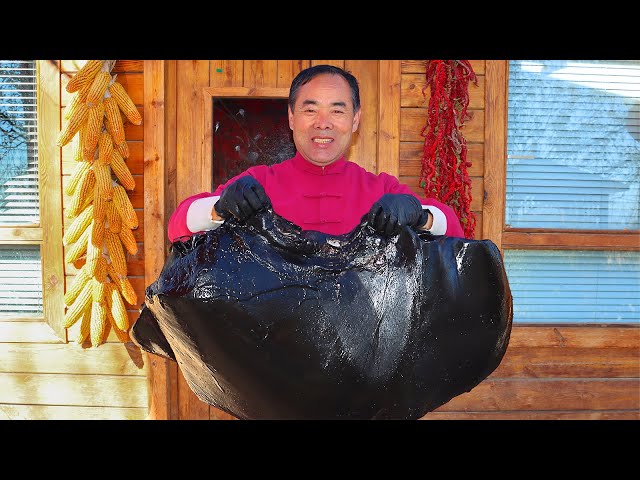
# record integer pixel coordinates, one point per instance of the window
(570, 234)
(31, 269)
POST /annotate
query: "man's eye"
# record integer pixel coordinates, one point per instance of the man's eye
(338, 112)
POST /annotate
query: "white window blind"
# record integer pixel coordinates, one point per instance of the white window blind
(556, 286)
(573, 148)
(20, 280)
(19, 203)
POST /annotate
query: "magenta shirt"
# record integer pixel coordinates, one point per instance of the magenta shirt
(329, 199)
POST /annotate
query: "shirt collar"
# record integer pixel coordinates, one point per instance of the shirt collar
(333, 168)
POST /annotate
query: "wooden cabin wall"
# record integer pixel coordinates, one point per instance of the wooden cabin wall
(43, 377)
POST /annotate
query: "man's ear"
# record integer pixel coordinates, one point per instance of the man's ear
(356, 121)
(290, 115)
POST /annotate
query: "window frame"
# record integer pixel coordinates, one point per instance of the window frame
(497, 91)
(48, 233)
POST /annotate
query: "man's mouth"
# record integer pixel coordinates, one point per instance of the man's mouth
(322, 140)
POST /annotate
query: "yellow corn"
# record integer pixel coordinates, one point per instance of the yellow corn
(128, 240)
(77, 99)
(99, 207)
(113, 120)
(124, 207)
(123, 149)
(114, 219)
(77, 307)
(104, 184)
(116, 252)
(94, 247)
(85, 325)
(125, 103)
(105, 148)
(122, 171)
(95, 119)
(78, 248)
(98, 88)
(80, 115)
(76, 286)
(123, 284)
(84, 76)
(83, 192)
(78, 226)
(99, 331)
(80, 170)
(98, 292)
(118, 310)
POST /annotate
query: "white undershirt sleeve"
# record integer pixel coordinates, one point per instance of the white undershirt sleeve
(439, 225)
(199, 215)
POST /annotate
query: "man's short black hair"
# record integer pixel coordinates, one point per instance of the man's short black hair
(309, 73)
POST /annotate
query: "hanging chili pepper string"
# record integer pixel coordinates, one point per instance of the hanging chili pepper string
(444, 166)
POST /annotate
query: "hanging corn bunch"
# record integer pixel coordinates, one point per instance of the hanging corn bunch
(103, 218)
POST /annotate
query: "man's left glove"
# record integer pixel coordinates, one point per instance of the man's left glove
(242, 199)
(394, 210)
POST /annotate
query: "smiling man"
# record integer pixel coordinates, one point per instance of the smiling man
(318, 189)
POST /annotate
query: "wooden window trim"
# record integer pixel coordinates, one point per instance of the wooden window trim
(496, 111)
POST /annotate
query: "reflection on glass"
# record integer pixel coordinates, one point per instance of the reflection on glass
(249, 132)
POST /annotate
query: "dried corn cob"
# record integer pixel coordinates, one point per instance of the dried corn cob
(123, 150)
(128, 240)
(76, 286)
(85, 325)
(118, 310)
(100, 273)
(125, 103)
(113, 120)
(77, 307)
(123, 284)
(124, 207)
(99, 330)
(79, 116)
(84, 76)
(78, 226)
(104, 184)
(78, 248)
(98, 88)
(78, 144)
(97, 234)
(99, 207)
(116, 252)
(95, 120)
(94, 250)
(114, 219)
(120, 168)
(78, 98)
(83, 192)
(81, 169)
(105, 148)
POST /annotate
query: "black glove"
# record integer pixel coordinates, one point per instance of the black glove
(394, 210)
(242, 199)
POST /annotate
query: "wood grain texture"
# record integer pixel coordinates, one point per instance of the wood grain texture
(288, 69)
(50, 191)
(226, 73)
(476, 189)
(495, 150)
(74, 412)
(536, 415)
(336, 63)
(364, 146)
(260, 73)
(389, 98)
(420, 66)
(416, 94)
(411, 154)
(575, 240)
(28, 332)
(413, 120)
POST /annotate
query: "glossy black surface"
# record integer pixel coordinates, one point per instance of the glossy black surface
(270, 322)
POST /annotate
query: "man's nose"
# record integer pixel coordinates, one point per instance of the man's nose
(323, 120)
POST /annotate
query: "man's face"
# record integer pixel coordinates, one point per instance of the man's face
(323, 120)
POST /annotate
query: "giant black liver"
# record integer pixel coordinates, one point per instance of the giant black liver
(267, 321)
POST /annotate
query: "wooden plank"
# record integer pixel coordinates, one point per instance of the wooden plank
(413, 120)
(28, 332)
(534, 415)
(364, 146)
(226, 73)
(74, 412)
(50, 190)
(389, 96)
(133, 84)
(72, 390)
(548, 394)
(336, 63)
(495, 150)
(24, 235)
(288, 69)
(573, 240)
(420, 66)
(260, 73)
(414, 94)
(108, 359)
(476, 189)
(575, 336)
(254, 92)
(411, 154)
(567, 362)
(134, 162)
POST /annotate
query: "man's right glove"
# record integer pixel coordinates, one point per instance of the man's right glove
(394, 210)
(242, 199)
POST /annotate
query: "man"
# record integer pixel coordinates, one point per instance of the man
(318, 189)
